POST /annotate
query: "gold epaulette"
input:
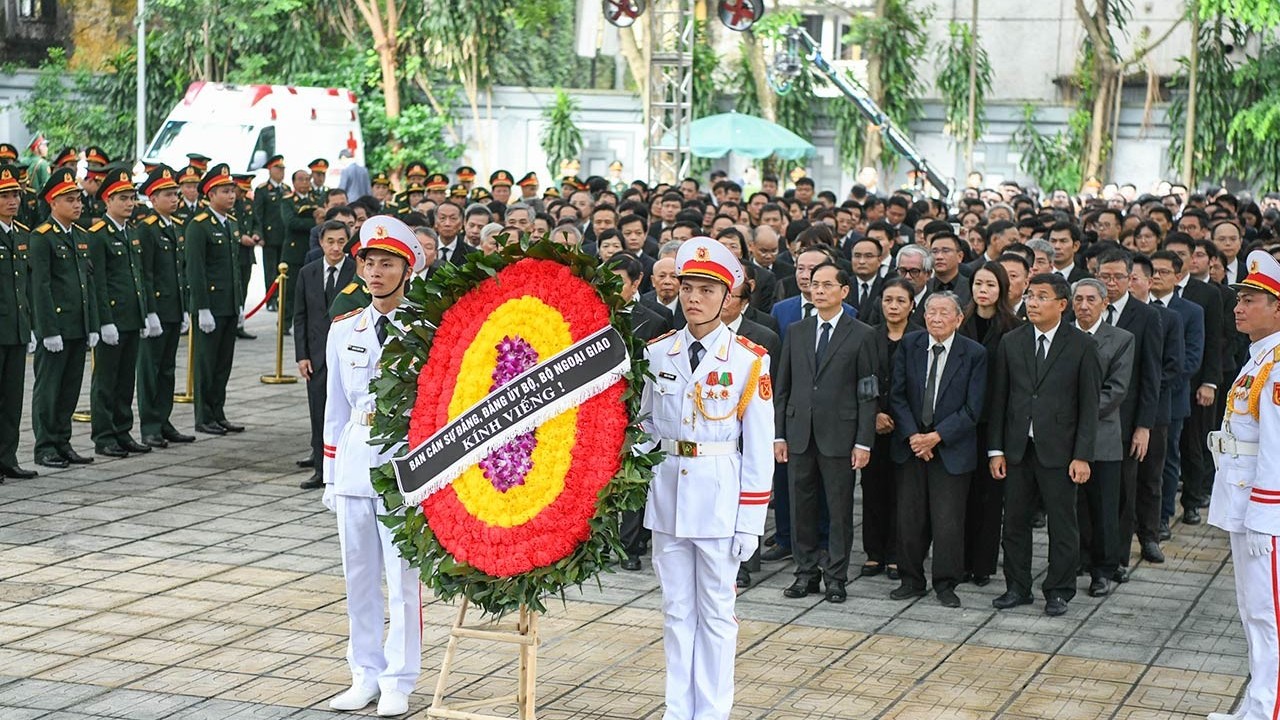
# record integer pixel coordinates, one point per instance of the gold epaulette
(344, 316)
(759, 350)
(43, 228)
(176, 220)
(663, 336)
(77, 226)
(20, 226)
(201, 217)
(149, 220)
(233, 217)
(97, 226)
(350, 288)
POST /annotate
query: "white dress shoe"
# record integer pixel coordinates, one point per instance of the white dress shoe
(355, 698)
(393, 703)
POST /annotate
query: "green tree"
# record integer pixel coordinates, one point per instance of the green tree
(1054, 161)
(64, 106)
(894, 42)
(561, 140)
(954, 60)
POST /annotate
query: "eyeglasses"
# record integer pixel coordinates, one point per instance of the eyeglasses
(1164, 271)
(824, 285)
(1106, 278)
(912, 272)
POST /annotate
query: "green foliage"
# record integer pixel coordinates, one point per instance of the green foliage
(417, 134)
(706, 95)
(1255, 14)
(402, 362)
(1255, 127)
(1056, 162)
(851, 130)
(463, 37)
(539, 50)
(561, 140)
(899, 41)
(746, 100)
(954, 62)
(1218, 98)
(64, 105)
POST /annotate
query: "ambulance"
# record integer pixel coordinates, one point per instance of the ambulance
(244, 125)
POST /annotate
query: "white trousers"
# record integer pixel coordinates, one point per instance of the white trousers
(1258, 596)
(368, 552)
(700, 631)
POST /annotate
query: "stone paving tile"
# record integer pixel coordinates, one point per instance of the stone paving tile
(199, 582)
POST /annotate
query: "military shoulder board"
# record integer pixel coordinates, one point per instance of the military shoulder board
(663, 336)
(746, 343)
(201, 217)
(97, 226)
(353, 313)
(232, 217)
(176, 220)
(43, 228)
(20, 226)
(350, 288)
(149, 220)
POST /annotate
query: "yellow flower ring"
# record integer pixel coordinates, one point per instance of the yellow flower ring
(500, 521)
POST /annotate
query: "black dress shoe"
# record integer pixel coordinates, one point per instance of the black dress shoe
(272, 306)
(1039, 520)
(775, 553)
(174, 436)
(1099, 587)
(802, 588)
(230, 427)
(836, 592)
(111, 451)
(17, 473)
(1191, 516)
(210, 429)
(744, 576)
(74, 457)
(1121, 575)
(1053, 607)
(905, 592)
(53, 461)
(981, 580)
(1164, 533)
(155, 441)
(1010, 599)
(948, 598)
(305, 463)
(243, 335)
(312, 483)
(631, 563)
(770, 540)
(891, 572)
(871, 570)
(1151, 552)
(132, 445)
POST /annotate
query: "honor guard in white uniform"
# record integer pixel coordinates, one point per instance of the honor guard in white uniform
(388, 670)
(710, 409)
(1246, 493)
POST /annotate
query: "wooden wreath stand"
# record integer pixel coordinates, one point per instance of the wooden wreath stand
(525, 637)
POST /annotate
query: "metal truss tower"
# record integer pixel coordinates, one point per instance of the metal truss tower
(670, 89)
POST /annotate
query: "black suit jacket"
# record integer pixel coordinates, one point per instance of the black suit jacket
(832, 403)
(1061, 399)
(765, 291)
(460, 250)
(873, 298)
(761, 318)
(311, 319)
(1210, 300)
(677, 318)
(884, 359)
(990, 341)
(961, 391)
(647, 323)
(1142, 400)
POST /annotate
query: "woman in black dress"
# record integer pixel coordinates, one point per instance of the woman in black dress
(986, 320)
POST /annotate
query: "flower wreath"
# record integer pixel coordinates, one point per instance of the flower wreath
(540, 512)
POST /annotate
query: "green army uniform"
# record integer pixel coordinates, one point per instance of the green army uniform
(268, 213)
(213, 274)
(15, 333)
(188, 176)
(164, 266)
(92, 209)
(355, 296)
(300, 214)
(248, 222)
(63, 305)
(122, 301)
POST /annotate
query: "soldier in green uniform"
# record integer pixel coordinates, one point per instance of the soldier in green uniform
(65, 315)
(408, 201)
(380, 186)
(95, 171)
(8, 154)
(319, 172)
(268, 212)
(466, 177)
(355, 296)
(500, 182)
(299, 211)
(415, 173)
(458, 196)
(164, 266)
(29, 207)
(189, 202)
(123, 314)
(16, 338)
(40, 169)
(250, 237)
(67, 157)
(437, 188)
(213, 274)
(199, 162)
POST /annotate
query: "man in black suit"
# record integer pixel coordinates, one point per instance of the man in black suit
(764, 245)
(867, 281)
(1204, 384)
(319, 282)
(939, 381)
(646, 324)
(1065, 238)
(825, 407)
(452, 247)
(947, 255)
(665, 295)
(1042, 436)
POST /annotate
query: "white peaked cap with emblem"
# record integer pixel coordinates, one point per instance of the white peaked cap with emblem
(703, 257)
(383, 232)
(1264, 274)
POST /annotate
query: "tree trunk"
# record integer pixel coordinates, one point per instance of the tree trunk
(973, 91)
(632, 51)
(1103, 104)
(1189, 131)
(760, 77)
(874, 148)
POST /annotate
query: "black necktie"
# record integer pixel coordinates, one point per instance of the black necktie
(808, 308)
(381, 328)
(1177, 291)
(331, 284)
(823, 339)
(931, 386)
(1042, 351)
(1157, 302)
(862, 296)
(695, 356)
(1111, 314)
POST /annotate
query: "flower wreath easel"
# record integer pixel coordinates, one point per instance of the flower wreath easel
(517, 383)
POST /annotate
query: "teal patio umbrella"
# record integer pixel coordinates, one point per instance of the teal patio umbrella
(753, 137)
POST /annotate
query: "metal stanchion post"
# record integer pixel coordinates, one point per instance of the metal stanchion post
(279, 378)
(189, 396)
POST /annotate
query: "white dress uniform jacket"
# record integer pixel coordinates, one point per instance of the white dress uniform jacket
(368, 552)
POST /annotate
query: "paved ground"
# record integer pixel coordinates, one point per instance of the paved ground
(200, 582)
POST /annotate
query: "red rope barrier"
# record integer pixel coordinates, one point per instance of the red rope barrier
(270, 291)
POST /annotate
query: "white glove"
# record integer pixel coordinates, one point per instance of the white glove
(1259, 543)
(206, 321)
(93, 340)
(186, 324)
(110, 334)
(744, 546)
(330, 498)
(53, 343)
(153, 326)
(31, 344)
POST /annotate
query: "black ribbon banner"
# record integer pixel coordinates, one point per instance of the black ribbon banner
(565, 380)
